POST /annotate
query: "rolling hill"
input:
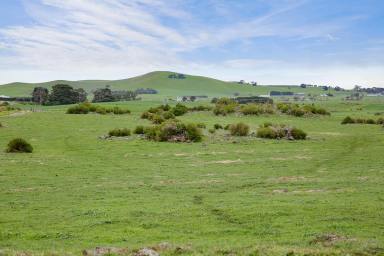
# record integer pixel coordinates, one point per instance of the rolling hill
(192, 85)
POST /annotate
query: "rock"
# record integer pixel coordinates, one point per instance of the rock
(146, 252)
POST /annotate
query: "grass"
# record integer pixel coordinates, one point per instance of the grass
(224, 195)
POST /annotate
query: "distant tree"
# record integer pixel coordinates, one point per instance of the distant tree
(81, 95)
(62, 94)
(40, 95)
(103, 95)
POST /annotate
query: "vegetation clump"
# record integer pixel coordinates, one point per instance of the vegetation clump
(257, 109)
(174, 131)
(160, 114)
(270, 131)
(139, 129)
(217, 126)
(239, 129)
(200, 108)
(85, 108)
(124, 132)
(224, 106)
(350, 120)
(19, 145)
(300, 110)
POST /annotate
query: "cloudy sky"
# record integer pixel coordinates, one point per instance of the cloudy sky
(338, 42)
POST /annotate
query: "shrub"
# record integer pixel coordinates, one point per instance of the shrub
(227, 127)
(168, 115)
(146, 115)
(239, 129)
(224, 109)
(1, 125)
(279, 132)
(257, 109)
(139, 129)
(217, 126)
(267, 133)
(194, 133)
(298, 134)
(370, 121)
(212, 130)
(175, 131)
(19, 145)
(200, 108)
(348, 120)
(119, 132)
(79, 109)
(380, 120)
(179, 109)
(157, 119)
(266, 124)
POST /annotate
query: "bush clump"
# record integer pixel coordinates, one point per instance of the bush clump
(119, 132)
(85, 108)
(174, 131)
(217, 126)
(19, 145)
(139, 129)
(257, 109)
(179, 109)
(300, 110)
(201, 108)
(350, 120)
(270, 131)
(225, 106)
(201, 125)
(239, 129)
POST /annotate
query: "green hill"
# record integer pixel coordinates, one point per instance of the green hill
(191, 85)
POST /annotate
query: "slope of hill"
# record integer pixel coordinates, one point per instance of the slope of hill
(192, 85)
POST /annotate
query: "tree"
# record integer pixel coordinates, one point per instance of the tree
(63, 94)
(103, 95)
(81, 95)
(40, 95)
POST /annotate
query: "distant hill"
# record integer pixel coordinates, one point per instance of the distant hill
(159, 80)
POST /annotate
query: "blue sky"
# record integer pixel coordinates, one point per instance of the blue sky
(338, 42)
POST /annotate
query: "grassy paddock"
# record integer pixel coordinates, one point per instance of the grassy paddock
(223, 195)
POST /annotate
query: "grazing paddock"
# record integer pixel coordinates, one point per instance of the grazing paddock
(226, 195)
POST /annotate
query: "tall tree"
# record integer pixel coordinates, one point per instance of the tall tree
(40, 95)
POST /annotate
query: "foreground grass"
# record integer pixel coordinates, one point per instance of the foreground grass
(225, 195)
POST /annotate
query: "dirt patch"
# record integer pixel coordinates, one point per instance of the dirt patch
(180, 154)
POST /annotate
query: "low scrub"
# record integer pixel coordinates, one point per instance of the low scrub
(139, 129)
(350, 120)
(239, 129)
(85, 108)
(174, 131)
(200, 108)
(158, 115)
(224, 106)
(300, 110)
(19, 145)
(270, 131)
(124, 132)
(257, 109)
(217, 126)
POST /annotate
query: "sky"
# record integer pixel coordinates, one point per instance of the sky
(330, 42)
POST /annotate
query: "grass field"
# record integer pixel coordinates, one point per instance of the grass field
(223, 196)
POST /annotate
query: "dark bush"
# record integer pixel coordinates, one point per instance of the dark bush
(239, 129)
(119, 132)
(348, 120)
(19, 145)
(194, 133)
(85, 108)
(267, 133)
(139, 130)
(212, 130)
(174, 131)
(217, 126)
(168, 115)
(298, 134)
(201, 108)
(380, 120)
(179, 110)
(78, 109)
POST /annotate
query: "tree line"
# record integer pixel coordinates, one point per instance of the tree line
(62, 94)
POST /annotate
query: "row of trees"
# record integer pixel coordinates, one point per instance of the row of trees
(62, 94)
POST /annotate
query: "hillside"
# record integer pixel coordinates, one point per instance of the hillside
(192, 85)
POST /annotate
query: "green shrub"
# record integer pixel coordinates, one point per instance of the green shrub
(146, 115)
(179, 110)
(370, 121)
(174, 131)
(257, 109)
(157, 119)
(19, 145)
(266, 132)
(227, 127)
(224, 109)
(298, 134)
(212, 130)
(168, 115)
(200, 108)
(348, 120)
(78, 109)
(239, 129)
(266, 124)
(380, 120)
(139, 130)
(119, 132)
(217, 126)
(194, 133)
